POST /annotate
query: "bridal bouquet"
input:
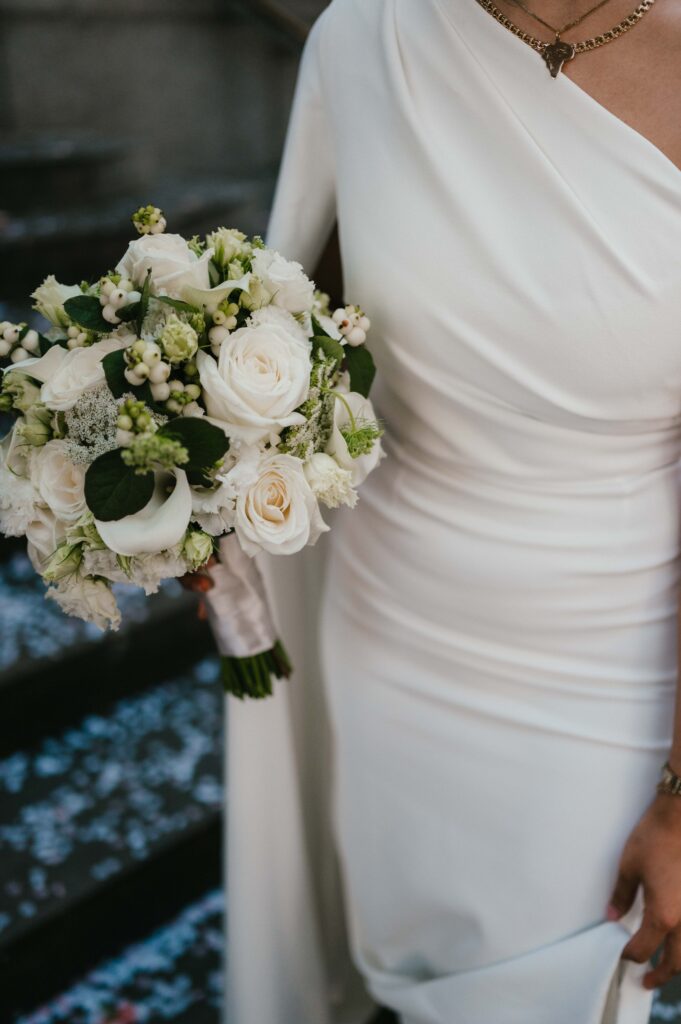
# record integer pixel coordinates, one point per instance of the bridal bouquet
(199, 399)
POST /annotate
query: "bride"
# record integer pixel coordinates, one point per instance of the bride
(452, 808)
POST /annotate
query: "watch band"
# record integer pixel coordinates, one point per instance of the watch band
(669, 782)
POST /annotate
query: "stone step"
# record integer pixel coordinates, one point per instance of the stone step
(55, 668)
(49, 170)
(175, 975)
(83, 242)
(107, 829)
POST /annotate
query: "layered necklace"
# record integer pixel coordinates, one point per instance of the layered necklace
(557, 52)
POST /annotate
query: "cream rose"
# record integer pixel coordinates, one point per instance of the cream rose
(174, 266)
(90, 600)
(44, 533)
(50, 298)
(278, 512)
(286, 280)
(59, 481)
(261, 376)
(65, 374)
(354, 407)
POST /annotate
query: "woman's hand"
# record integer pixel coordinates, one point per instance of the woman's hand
(199, 582)
(652, 857)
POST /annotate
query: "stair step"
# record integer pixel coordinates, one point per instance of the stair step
(175, 974)
(55, 668)
(88, 240)
(106, 830)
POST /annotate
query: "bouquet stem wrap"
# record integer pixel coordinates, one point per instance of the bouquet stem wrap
(241, 621)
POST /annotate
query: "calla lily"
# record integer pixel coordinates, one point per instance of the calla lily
(160, 525)
(210, 298)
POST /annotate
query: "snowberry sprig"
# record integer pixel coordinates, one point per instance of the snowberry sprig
(224, 321)
(149, 220)
(183, 400)
(133, 418)
(114, 295)
(17, 342)
(144, 362)
(352, 323)
(76, 337)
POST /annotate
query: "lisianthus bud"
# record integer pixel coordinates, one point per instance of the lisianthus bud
(197, 548)
(36, 426)
(179, 340)
(64, 562)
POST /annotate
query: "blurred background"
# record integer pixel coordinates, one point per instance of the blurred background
(111, 797)
(111, 904)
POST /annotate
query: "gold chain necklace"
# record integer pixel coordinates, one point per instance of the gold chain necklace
(556, 53)
(569, 24)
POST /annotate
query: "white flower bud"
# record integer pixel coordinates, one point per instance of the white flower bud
(118, 298)
(192, 409)
(130, 374)
(356, 336)
(218, 334)
(159, 373)
(31, 341)
(160, 391)
(151, 355)
(158, 227)
(109, 314)
(124, 437)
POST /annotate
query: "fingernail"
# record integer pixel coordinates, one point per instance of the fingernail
(612, 913)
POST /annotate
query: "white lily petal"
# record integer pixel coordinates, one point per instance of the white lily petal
(210, 298)
(159, 525)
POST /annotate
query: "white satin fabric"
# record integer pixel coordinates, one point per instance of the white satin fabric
(498, 616)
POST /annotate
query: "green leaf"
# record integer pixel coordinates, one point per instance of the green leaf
(46, 344)
(204, 442)
(360, 365)
(114, 365)
(144, 302)
(86, 311)
(128, 313)
(316, 326)
(332, 349)
(182, 307)
(114, 490)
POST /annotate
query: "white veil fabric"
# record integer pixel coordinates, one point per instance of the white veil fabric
(288, 959)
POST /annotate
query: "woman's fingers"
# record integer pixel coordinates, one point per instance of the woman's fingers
(199, 582)
(670, 963)
(644, 942)
(623, 893)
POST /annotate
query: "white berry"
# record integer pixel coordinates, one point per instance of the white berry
(31, 341)
(109, 314)
(160, 391)
(18, 354)
(159, 373)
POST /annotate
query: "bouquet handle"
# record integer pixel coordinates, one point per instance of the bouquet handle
(241, 621)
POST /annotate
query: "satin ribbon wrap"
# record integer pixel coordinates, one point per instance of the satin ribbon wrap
(241, 622)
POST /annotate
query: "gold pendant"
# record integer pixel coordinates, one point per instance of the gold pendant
(556, 53)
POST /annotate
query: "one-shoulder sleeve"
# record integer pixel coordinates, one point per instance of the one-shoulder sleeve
(288, 959)
(304, 202)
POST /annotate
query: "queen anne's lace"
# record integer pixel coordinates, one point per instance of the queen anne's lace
(91, 425)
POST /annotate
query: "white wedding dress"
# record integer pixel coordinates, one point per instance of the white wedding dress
(498, 621)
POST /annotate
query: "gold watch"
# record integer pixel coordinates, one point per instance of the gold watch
(669, 781)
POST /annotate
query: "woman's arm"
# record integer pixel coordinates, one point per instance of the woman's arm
(652, 858)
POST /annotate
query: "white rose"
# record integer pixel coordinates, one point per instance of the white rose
(50, 298)
(66, 374)
(278, 511)
(89, 600)
(18, 495)
(330, 482)
(44, 533)
(362, 412)
(59, 481)
(174, 266)
(285, 279)
(262, 375)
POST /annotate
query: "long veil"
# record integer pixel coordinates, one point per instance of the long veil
(288, 960)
